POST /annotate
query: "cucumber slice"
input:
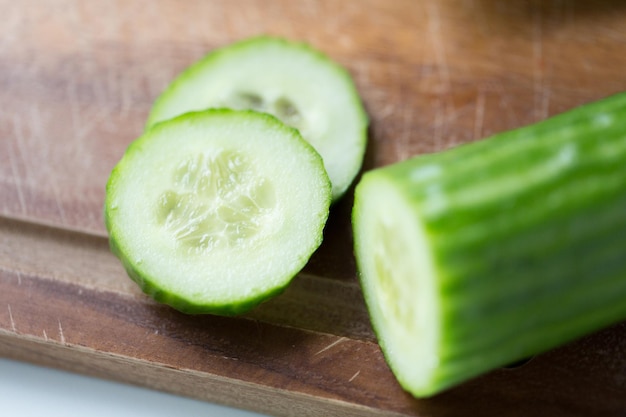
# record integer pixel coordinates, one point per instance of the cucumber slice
(216, 211)
(289, 80)
(491, 252)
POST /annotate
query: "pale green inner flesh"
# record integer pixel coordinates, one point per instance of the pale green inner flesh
(399, 281)
(215, 201)
(282, 108)
(391, 270)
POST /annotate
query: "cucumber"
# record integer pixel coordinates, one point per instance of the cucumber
(494, 251)
(292, 81)
(216, 211)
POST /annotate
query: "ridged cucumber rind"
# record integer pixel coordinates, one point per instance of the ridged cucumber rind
(316, 209)
(342, 147)
(525, 229)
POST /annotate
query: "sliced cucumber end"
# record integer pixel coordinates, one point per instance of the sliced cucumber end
(399, 282)
(292, 81)
(216, 211)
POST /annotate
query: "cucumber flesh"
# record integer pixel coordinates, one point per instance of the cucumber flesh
(491, 252)
(216, 211)
(292, 81)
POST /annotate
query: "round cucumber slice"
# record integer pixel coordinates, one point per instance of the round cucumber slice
(292, 81)
(216, 211)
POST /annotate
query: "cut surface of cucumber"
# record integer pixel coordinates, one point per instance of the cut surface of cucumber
(479, 256)
(292, 81)
(216, 211)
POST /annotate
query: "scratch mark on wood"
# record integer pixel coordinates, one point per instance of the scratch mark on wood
(110, 83)
(498, 88)
(480, 114)
(258, 329)
(403, 145)
(89, 123)
(438, 123)
(36, 123)
(386, 111)
(125, 96)
(73, 104)
(11, 319)
(538, 73)
(545, 103)
(61, 335)
(17, 178)
(362, 72)
(12, 21)
(434, 29)
(58, 203)
(354, 376)
(45, 336)
(38, 127)
(335, 343)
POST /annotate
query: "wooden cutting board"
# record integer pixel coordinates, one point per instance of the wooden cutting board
(76, 82)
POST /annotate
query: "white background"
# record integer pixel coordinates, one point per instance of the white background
(32, 391)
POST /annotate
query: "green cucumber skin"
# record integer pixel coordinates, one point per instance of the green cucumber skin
(148, 287)
(527, 232)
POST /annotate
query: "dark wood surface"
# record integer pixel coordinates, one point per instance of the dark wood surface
(76, 82)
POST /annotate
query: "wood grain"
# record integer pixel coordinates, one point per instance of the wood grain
(77, 80)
